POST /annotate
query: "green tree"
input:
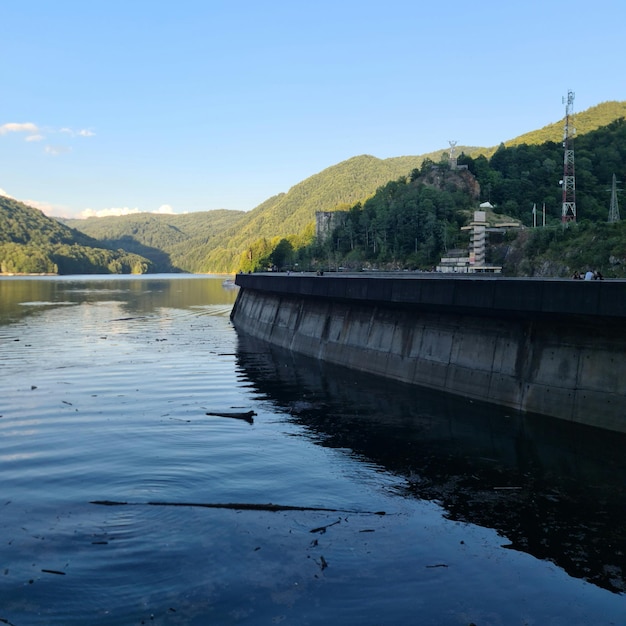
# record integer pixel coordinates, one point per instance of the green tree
(282, 254)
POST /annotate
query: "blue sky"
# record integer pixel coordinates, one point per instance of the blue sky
(195, 105)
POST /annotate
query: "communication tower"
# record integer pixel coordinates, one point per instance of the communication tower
(453, 161)
(614, 208)
(568, 208)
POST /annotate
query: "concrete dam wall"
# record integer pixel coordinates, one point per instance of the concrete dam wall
(552, 347)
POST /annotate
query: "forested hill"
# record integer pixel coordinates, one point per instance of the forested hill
(412, 222)
(174, 243)
(213, 241)
(31, 243)
(512, 176)
(584, 122)
(223, 246)
(291, 213)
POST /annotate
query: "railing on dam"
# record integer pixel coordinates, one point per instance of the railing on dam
(464, 293)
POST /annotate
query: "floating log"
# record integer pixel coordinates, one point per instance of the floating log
(246, 417)
(237, 506)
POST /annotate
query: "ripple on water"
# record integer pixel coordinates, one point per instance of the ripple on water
(108, 400)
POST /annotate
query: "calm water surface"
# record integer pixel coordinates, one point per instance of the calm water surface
(105, 386)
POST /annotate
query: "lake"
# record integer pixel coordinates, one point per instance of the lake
(132, 493)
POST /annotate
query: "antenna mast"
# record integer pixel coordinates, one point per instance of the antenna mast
(568, 209)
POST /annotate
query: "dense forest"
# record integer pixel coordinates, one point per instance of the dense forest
(173, 243)
(403, 213)
(31, 243)
(412, 221)
(214, 241)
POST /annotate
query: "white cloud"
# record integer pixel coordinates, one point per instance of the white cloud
(58, 210)
(12, 127)
(56, 150)
(35, 134)
(107, 212)
(84, 132)
(51, 210)
(165, 209)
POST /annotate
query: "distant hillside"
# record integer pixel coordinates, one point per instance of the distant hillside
(31, 243)
(213, 241)
(584, 122)
(290, 213)
(173, 243)
(411, 223)
(521, 172)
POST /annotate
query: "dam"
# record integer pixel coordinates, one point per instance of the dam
(554, 347)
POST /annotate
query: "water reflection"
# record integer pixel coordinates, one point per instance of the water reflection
(138, 295)
(555, 490)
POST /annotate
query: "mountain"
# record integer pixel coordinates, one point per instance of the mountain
(213, 241)
(584, 122)
(410, 223)
(513, 176)
(290, 213)
(174, 243)
(31, 243)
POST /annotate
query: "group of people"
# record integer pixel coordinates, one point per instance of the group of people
(588, 275)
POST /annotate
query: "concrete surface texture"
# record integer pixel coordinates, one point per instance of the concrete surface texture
(553, 347)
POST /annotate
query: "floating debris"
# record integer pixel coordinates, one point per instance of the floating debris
(246, 417)
(242, 506)
(322, 529)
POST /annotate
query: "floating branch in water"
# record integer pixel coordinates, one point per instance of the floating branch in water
(238, 506)
(322, 529)
(128, 319)
(246, 417)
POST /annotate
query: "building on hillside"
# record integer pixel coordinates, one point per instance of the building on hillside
(326, 222)
(455, 261)
(473, 261)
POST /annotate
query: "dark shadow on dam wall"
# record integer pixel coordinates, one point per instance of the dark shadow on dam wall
(551, 347)
(554, 489)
